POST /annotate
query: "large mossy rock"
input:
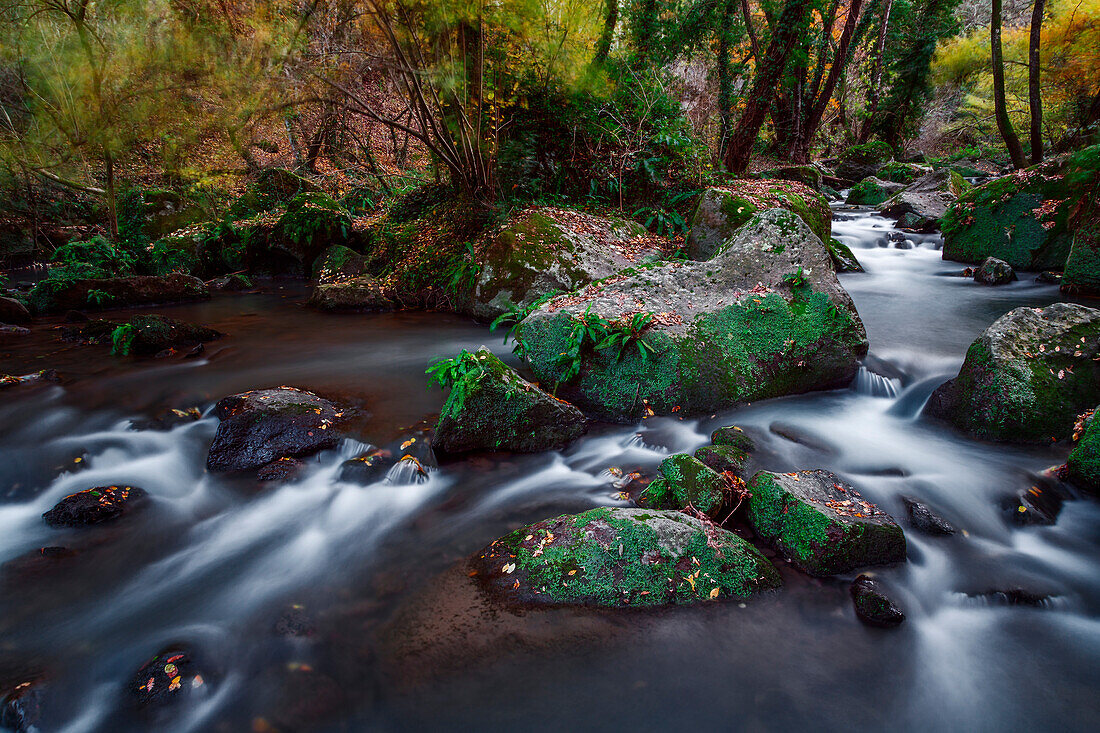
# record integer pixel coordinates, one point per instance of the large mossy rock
(622, 557)
(766, 317)
(1024, 218)
(1027, 377)
(146, 214)
(13, 312)
(344, 283)
(1083, 466)
(822, 523)
(490, 407)
(872, 191)
(1082, 273)
(687, 481)
(860, 161)
(923, 203)
(289, 241)
(544, 250)
(722, 211)
(265, 425)
(117, 292)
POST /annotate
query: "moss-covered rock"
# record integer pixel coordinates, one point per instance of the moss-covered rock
(1083, 466)
(144, 335)
(362, 294)
(542, 250)
(338, 263)
(844, 260)
(872, 606)
(860, 161)
(619, 558)
(822, 523)
(1082, 274)
(872, 191)
(95, 506)
(904, 173)
(994, 272)
(1023, 218)
(723, 458)
(806, 174)
(58, 296)
(490, 407)
(686, 481)
(766, 317)
(722, 211)
(1027, 377)
(734, 437)
(922, 204)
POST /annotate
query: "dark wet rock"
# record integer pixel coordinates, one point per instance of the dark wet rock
(14, 312)
(368, 468)
(21, 707)
(925, 201)
(46, 376)
(1038, 505)
(339, 263)
(994, 272)
(1027, 377)
(171, 677)
(873, 607)
(16, 332)
(860, 161)
(76, 317)
(95, 506)
(195, 351)
(1014, 597)
(280, 470)
(843, 258)
(145, 335)
(167, 419)
(822, 523)
(723, 458)
(1049, 278)
(295, 622)
(542, 250)
(621, 557)
(733, 437)
(264, 425)
(408, 470)
(766, 317)
(1083, 466)
(798, 434)
(491, 407)
(1026, 218)
(685, 482)
(871, 192)
(721, 212)
(923, 519)
(343, 284)
(416, 443)
(234, 283)
(120, 292)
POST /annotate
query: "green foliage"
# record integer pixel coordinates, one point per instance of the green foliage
(514, 317)
(313, 216)
(122, 339)
(454, 374)
(590, 331)
(795, 279)
(99, 298)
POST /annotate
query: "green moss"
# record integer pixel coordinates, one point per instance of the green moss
(745, 199)
(900, 172)
(734, 437)
(794, 525)
(867, 192)
(844, 260)
(1084, 462)
(722, 458)
(1082, 274)
(687, 482)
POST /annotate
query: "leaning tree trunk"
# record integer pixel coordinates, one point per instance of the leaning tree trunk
(876, 75)
(768, 72)
(1035, 99)
(607, 37)
(1004, 124)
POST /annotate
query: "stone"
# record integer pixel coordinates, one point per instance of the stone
(821, 523)
(363, 293)
(261, 426)
(923, 519)
(95, 506)
(21, 707)
(144, 335)
(118, 292)
(13, 312)
(994, 272)
(1027, 377)
(171, 677)
(922, 204)
(1082, 273)
(687, 482)
(766, 317)
(873, 607)
(1083, 465)
(46, 376)
(722, 458)
(860, 161)
(491, 407)
(872, 191)
(733, 437)
(621, 557)
(843, 258)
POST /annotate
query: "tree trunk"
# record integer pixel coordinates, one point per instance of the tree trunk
(768, 72)
(725, 77)
(112, 202)
(607, 37)
(1004, 124)
(876, 74)
(1035, 98)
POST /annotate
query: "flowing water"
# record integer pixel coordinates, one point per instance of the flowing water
(216, 562)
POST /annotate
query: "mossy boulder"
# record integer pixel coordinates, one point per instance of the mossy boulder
(872, 191)
(1083, 466)
(338, 263)
(1023, 218)
(290, 240)
(542, 250)
(903, 173)
(1027, 377)
(357, 294)
(58, 296)
(734, 437)
(722, 211)
(922, 204)
(766, 317)
(144, 335)
(822, 523)
(723, 458)
(1082, 273)
(262, 426)
(994, 272)
(621, 558)
(844, 260)
(686, 481)
(805, 174)
(491, 407)
(146, 214)
(860, 161)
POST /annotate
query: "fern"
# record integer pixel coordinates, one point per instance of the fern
(122, 339)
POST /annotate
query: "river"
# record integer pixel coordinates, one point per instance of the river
(216, 562)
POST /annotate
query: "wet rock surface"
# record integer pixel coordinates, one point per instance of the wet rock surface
(686, 481)
(95, 506)
(994, 272)
(872, 605)
(13, 312)
(923, 519)
(144, 335)
(118, 292)
(172, 677)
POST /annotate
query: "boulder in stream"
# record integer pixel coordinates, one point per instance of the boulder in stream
(621, 557)
(491, 407)
(21, 707)
(95, 506)
(873, 607)
(923, 519)
(344, 283)
(13, 312)
(117, 292)
(170, 677)
(922, 204)
(1027, 377)
(766, 317)
(822, 523)
(261, 426)
(994, 272)
(144, 335)
(860, 161)
(871, 192)
(686, 481)
(1082, 273)
(1083, 466)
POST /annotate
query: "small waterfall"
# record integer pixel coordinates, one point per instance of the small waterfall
(875, 385)
(407, 471)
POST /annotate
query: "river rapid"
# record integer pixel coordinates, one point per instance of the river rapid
(222, 563)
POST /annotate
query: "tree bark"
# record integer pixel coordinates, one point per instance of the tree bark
(1004, 124)
(876, 74)
(768, 71)
(1035, 99)
(607, 37)
(725, 77)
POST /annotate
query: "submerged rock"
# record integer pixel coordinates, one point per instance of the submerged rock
(622, 557)
(368, 468)
(264, 425)
(95, 506)
(873, 607)
(1027, 377)
(14, 312)
(145, 335)
(923, 519)
(994, 272)
(43, 377)
(687, 482)
(822, 523)
(491, 407)
(871, 192)
(721, 212)
(119, 292)
(922, 204)
(764, 318)
(1083, 466)
(171, 677)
